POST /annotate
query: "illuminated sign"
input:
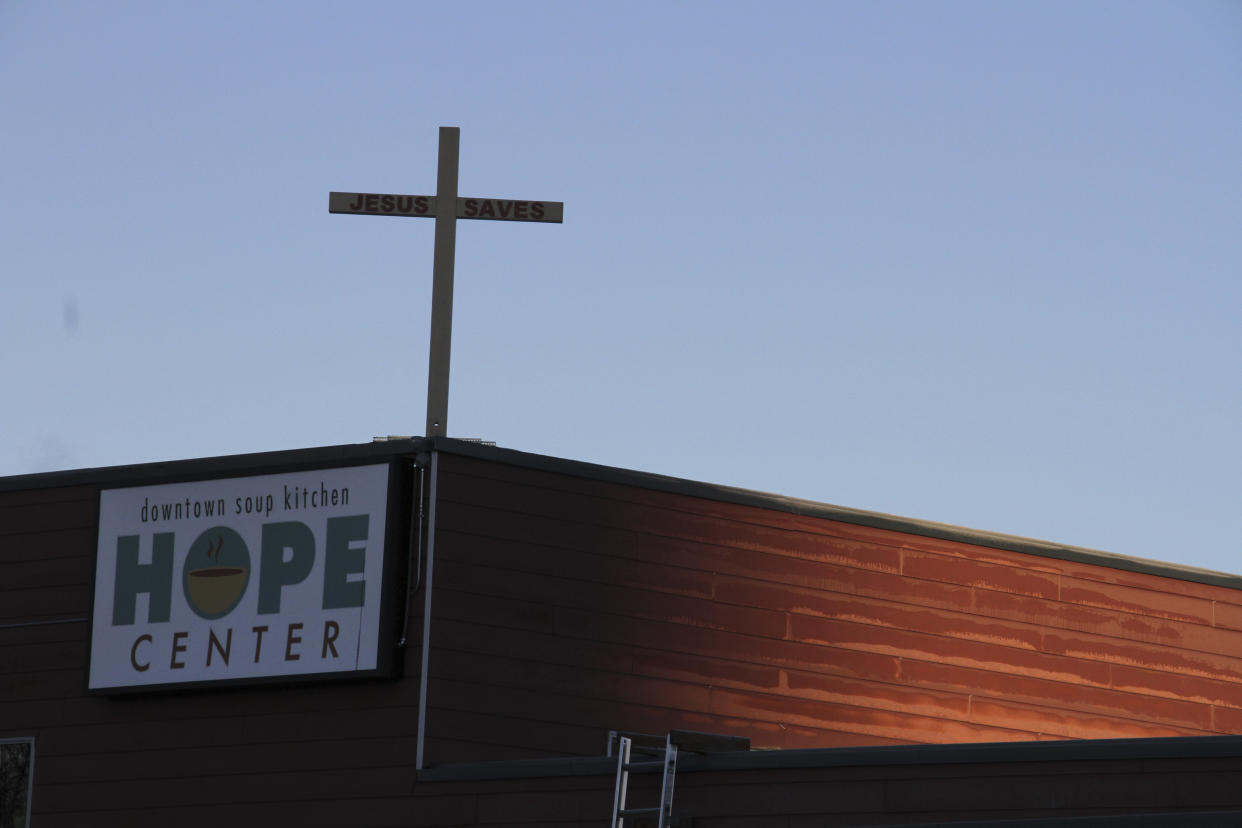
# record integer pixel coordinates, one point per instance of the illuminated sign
(240, 578)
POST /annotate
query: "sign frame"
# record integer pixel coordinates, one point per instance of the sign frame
(400, 474)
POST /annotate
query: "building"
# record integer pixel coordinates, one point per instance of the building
(435, 632)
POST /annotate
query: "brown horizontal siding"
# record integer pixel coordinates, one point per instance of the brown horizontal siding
(47, 558)
(616, 598)
(44, 573)
(521, 737)
(1167, 684)
(546, 628)
(253, 758)
(46, 547)
(771, 619)
(217, 785)
(385, 811)
(572, 511)
(295, 731)
(1104, 701)
(45, 603)
(23, 498)
(1227, 615)
(45, 516)
(1136, 602)
(45, 647)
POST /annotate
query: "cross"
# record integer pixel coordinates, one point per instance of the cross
(445, 207)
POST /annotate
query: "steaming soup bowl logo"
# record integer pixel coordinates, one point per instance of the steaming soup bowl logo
(216, 572)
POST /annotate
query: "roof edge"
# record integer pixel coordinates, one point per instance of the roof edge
(157, 472)
(1188, 747)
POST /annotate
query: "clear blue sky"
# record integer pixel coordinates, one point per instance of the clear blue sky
(972, 262)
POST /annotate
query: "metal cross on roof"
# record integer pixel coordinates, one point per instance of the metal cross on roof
(445, 207)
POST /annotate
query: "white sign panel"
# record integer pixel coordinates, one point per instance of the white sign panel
(239, 578)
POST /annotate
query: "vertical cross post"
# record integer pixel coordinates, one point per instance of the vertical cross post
(442, 283)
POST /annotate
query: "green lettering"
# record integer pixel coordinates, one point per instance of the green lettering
(275, 572)
(133, 578)
(342, 559)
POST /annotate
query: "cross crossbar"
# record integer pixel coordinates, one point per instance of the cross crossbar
(424, 206)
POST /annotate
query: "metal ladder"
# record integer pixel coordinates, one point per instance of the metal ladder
(664, 811)
(688, 741)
